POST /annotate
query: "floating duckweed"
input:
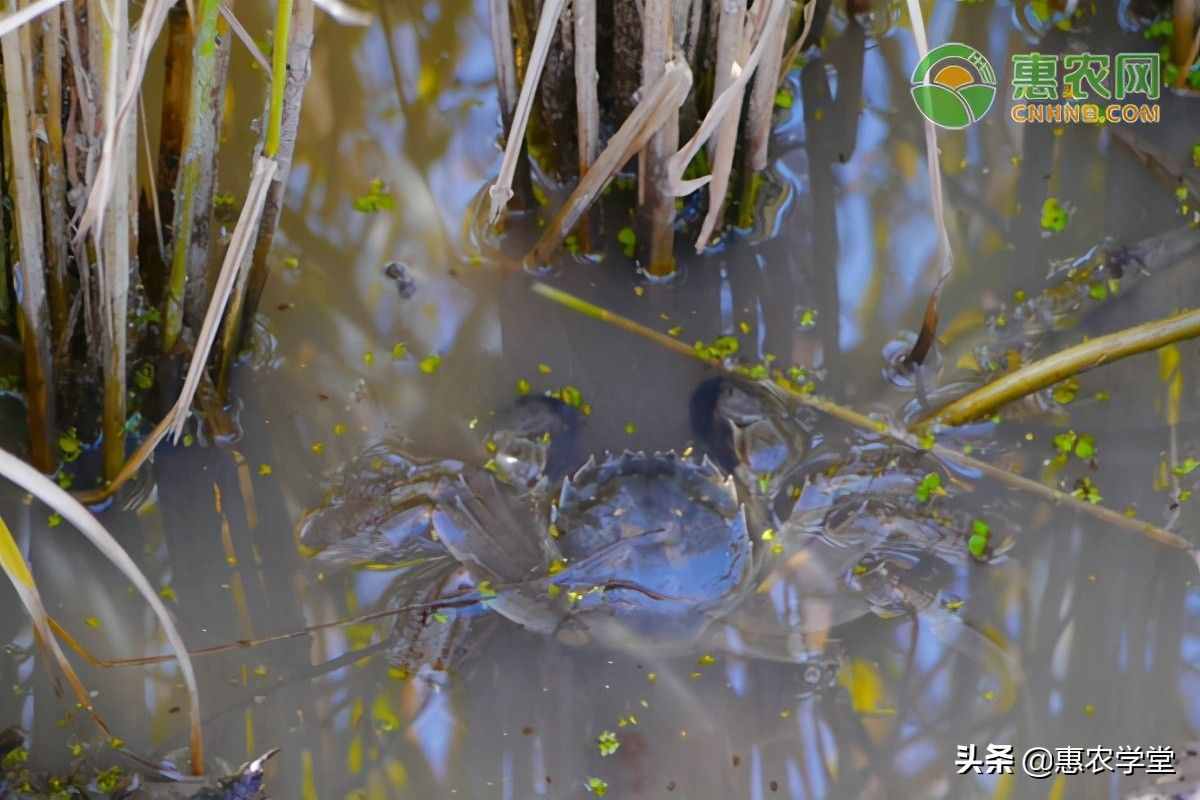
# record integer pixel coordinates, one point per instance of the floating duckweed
(377, 199)
(1054, 216)
(981, 534)
(586, 409)
(69, 445)
(1089, 710)
(721, 348)
(926, 441)
(675, 330)
(571, 396)
(776, 549)
(440, 618)
(764, 483)
(768, 534)
(607, 743)
(339, 429)
(143, 376)
(553, 530)
(1066, 392)
(696, 676)
(291, 262)
(109, 781)
(1086, 490)
(399, 351)
(523, 387)
(808, 318)
(485, 589)
(1085, 448)
(652, 677)
(368, 358)
(54, 520)
(64, 479)
(553, 591)
(168, 593)
(628, 239)
(626, 721)
(318, 448)
(597, 786)
(544, 369)
(929, 486)
(1188, 466)
(783, 99)
(989, 695)
(188, 440)
(744, 327)
(430, 364)
(92, 622)
(557, 566)
(490, 446)
(1097, 290)
(261, 670)
(706, 660)
(630, 428)
(639, 290)
(265, 470)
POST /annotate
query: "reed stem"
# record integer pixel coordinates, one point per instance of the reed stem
(54, 176)
(659, 209)
(1068, 363)
(289, 75)
(197, 175)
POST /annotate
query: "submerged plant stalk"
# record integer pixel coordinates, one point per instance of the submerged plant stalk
(871, 425)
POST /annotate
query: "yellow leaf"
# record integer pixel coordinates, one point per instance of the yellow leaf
(11, 559)
(865, 686)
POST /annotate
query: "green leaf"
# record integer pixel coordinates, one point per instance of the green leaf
(1187, 467)
(1054, 216)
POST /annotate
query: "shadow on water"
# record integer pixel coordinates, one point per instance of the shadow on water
(1076, 636)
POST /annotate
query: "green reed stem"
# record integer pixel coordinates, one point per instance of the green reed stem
(193, 192)
(1067, 363)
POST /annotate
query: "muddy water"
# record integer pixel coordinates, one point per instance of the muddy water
(1100, 627)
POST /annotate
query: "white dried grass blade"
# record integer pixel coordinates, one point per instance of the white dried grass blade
(501, 191)
(344, 13)
(11, 22)
(235, 260)
(154, 16)
(14, 566)
(244, 36)
(69, 508)
(716, 113)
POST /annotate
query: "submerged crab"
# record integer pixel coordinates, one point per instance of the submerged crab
(637, 549)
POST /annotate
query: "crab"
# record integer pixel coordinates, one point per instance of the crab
(659, 551)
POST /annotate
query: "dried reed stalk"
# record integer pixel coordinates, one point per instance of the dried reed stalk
(658, 28)
(656, 106)
(501, 191)
(52, 495)
(19, 17)
(505, 58)
(54, 176)
(587, 100)
(762, 98)
(34, 319)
